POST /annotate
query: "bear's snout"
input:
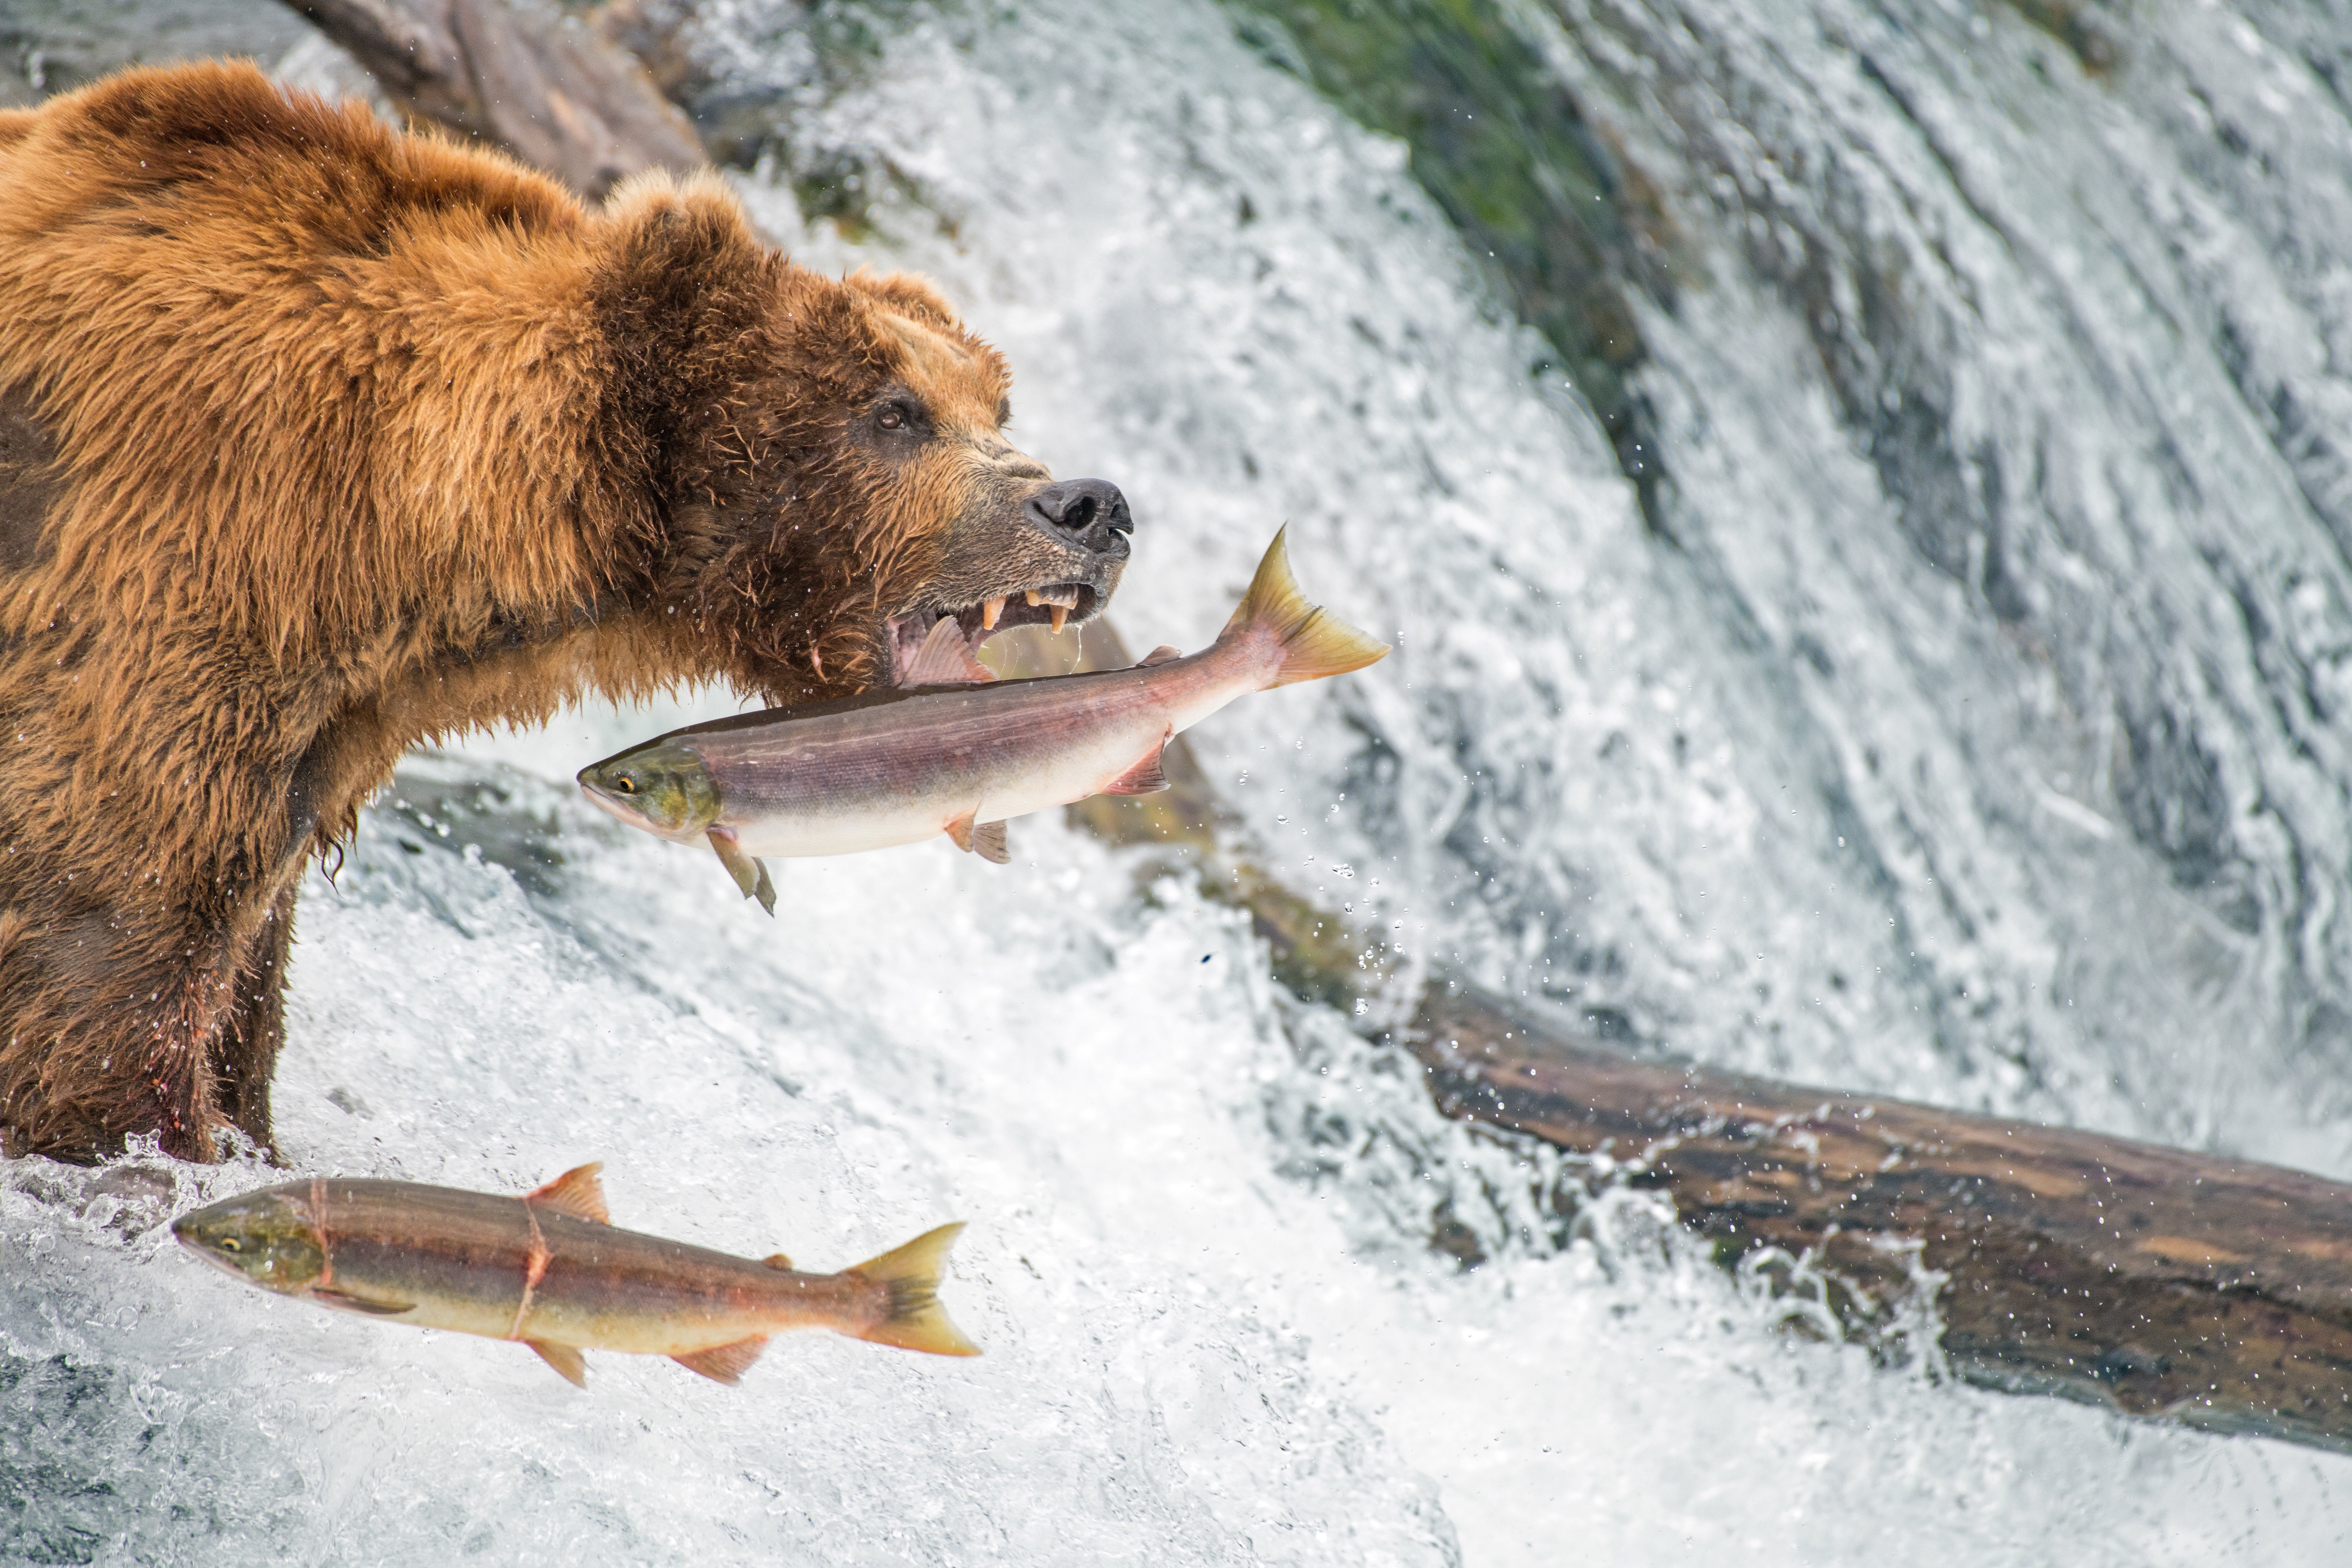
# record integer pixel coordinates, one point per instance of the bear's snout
(1089, 513)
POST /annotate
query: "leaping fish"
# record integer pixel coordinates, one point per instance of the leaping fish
(895, 767)
(550, 1268)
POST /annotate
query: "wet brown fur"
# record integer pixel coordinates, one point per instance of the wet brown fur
(317, 440)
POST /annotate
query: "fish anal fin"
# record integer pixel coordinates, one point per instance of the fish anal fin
(945, 658)
(777, 1260)
(960, 831)
(344, 1300)
(725, 1364)
(578, 1193)
(1160, 655)
(988, 842)
(565, 1359)
(912, 1318)
(1145, 777)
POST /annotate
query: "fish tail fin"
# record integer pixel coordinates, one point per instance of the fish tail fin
(1308, 642)
(915, 1320)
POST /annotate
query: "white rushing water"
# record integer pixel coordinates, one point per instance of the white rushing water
(2003, 777)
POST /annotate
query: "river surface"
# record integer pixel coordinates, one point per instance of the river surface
(1917, 661)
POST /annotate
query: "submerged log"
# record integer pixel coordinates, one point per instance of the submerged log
(2164, 1283)
(2209, 1290)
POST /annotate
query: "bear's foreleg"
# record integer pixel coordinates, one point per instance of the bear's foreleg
(114, 1022)
(245, 1049)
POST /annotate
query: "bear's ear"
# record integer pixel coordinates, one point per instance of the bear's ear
(682, 227)
(908, 296)
(681, 276)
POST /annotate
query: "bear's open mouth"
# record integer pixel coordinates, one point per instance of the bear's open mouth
(1050, 603)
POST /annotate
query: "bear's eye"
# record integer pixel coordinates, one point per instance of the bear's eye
(892, 418)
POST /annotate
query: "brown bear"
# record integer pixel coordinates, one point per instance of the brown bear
(317, 440)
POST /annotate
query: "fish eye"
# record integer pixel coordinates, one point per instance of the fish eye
(231, 1244)
(626, 785)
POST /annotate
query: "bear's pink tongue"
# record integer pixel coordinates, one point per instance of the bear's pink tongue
(916, 641)
(945, 658)
(912, 636)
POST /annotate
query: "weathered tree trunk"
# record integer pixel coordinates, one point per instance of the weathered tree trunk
(520, 76)
(2169, 1284)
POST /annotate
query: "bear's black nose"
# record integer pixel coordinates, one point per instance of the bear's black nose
(1089, 513)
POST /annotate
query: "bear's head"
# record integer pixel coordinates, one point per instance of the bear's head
(829, 461)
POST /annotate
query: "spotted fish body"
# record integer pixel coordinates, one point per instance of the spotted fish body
(896, 767)
(547, 1269)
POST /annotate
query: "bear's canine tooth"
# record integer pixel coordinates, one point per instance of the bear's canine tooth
(1061, 614)
(990, 611)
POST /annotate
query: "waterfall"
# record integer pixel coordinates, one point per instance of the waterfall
(1856, 493)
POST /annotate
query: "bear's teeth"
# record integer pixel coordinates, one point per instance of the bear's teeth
(990, 611)
(1061, 614)
(1035, 597)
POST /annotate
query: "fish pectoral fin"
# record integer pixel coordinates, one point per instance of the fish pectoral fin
(1160, 655)
(577, 1193)
(750, 875)
(1145, 777)
(725, 1364)
(344, 1300)
(565, 1359)
(944, 659)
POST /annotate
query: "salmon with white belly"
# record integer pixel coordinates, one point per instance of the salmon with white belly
(960, 759)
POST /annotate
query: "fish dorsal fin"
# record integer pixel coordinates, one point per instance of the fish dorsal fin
(565, 1359)
(750, 875)
(1145, 777)
(777, 1260)
(725, 1364)
(944, 659)
(1161, 655)
(577, 1193)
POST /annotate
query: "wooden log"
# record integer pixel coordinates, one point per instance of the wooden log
(2209, 1290)
(2164, 1283)
(520, 76)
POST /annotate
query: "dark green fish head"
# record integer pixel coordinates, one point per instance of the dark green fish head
(265, 1238)
(661, 786)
